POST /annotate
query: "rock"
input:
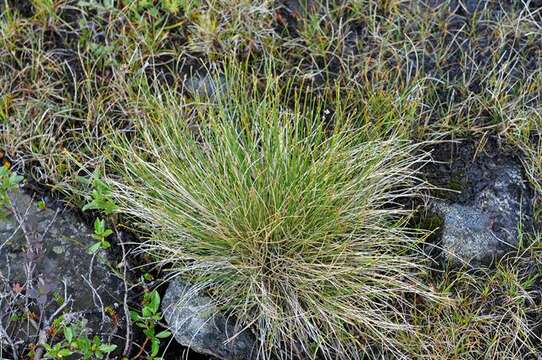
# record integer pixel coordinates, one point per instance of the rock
(467, 234)
(194, 321)
(205, 86)
(42, 250)
(481, 224)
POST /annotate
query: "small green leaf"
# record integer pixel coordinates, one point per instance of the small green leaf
(155, 347)
(68, 334)
(41, 204)
(134, 315)
(155, 301)
(148, 277)
(94, 247)
(149, 332)
(99, 225)
(163, 334)
(146, 312)
(65, 352)
(107, 348)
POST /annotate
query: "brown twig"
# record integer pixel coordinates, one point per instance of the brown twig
(141, 350)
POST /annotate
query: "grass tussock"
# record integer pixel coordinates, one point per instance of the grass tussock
(293, 228)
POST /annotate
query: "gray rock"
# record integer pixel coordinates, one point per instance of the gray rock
(43, 252)
(486, 227)
(206, 86)
(195, 323)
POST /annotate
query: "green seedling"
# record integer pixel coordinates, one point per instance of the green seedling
(101, 233)
(147, 319)
(41, 204)
(8, 181)
(76, 341)
(101, 197)
(57, 351)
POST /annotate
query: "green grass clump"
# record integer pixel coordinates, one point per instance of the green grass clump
(293, 227)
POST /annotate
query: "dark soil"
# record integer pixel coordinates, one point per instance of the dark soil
(24, 7)
(465, 168)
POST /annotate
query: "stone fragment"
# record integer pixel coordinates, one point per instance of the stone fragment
(195, 323)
